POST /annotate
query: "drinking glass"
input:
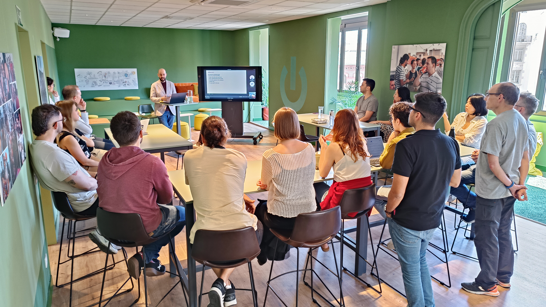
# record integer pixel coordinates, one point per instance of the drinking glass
(320, 112)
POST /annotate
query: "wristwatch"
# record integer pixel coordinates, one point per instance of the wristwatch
(388, 211)
(83, 110)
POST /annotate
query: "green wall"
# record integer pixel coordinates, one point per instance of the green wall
(25, 276)
(147, 49)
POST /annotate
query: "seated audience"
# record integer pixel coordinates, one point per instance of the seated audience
(419, 190)
(367, 104)
(526, 106)
(469, 125)
(73, 140)
(52, 95)
(225, 207)
(58, 171)
(72, 92)
(401, 94)
(144, 179)
(288, 172)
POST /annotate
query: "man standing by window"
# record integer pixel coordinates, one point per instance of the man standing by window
(367, 104)
(161, 91)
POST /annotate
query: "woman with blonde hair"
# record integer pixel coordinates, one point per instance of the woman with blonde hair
(74, 141)
(288, 172)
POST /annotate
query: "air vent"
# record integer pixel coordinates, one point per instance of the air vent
(231, 2)
(179, 18)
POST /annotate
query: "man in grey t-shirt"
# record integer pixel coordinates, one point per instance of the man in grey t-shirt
(367, 105)
(501, 169)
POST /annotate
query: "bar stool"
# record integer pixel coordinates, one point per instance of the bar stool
(61, 202)
(311, 230)
(225, 249)
(127, 230)
(356, 204)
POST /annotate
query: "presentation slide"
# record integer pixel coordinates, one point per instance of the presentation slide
(226, 82)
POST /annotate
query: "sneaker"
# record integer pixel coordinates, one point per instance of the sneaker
(217, 293)
(134, 265)
(230, 299)
(155, 268)
(505, 285)
(470, 217)
(101, 242)
(473, 288)
(116, 247)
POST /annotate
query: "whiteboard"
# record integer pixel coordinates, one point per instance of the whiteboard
(98, 79)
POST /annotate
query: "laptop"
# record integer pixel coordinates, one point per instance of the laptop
(178, 98)
(375, 148)
(144, 125)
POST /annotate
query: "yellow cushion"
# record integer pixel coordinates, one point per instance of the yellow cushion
(203, 109)
(132, 98)
(101, 98)
(198, 121)
(184, 129)
(93, 116)
(533, 170)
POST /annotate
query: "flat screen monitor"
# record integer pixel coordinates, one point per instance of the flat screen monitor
(230, 83)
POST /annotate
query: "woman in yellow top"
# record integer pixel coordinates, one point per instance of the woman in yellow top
(399, 113)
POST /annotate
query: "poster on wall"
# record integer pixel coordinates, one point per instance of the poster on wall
(12, 141)
(42, 83)
(106, 79)
(420, 68)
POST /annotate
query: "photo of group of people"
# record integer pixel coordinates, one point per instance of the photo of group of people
(420, 68)
(12, 142)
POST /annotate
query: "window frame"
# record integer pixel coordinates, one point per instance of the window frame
(351, 24)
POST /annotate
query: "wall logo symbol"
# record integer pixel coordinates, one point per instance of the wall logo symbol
(303, 94)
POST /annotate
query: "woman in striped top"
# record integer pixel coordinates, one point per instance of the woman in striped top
(288, 172)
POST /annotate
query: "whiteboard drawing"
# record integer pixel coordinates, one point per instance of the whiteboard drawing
(100, 79)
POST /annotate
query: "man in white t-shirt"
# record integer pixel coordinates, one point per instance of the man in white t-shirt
(58, 171)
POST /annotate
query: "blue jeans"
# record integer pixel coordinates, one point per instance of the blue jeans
(167, 118)
(463, 194)
(411, 246)
(173, 221)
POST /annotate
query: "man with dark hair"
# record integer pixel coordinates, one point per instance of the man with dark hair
(145, 178)
(440, 68)
(161, 91)
(400, 74)
(501, 170)
(367, 105)
(52, 96)
(428, 78)
(419, 190)
(58, 171)
(72, 92)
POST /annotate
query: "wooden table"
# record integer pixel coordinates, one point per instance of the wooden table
(96, 121)
(307, 119)
(177, 115)
(159, 139)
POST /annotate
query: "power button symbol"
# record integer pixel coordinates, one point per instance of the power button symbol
(303, 94)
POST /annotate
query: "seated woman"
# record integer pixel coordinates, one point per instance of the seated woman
(74, 141)
(469, 126)
(288, 172)
(223, 207)
(401, 94)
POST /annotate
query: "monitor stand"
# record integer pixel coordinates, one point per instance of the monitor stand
(232, 113)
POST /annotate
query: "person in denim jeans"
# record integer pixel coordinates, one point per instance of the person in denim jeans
(419, 191)
(144, 179)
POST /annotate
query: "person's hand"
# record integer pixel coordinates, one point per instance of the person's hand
(261, 185)
(166, 99)
(329, 137)
(389, 215)
(55, 93)
(521, 195)
(82, 105)
(518, 190)
(374, 122)
(445, 115)
(322, 140)
(250, 206)
(475, 155)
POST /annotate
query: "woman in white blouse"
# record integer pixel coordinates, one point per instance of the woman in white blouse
(469, 125)
(288, 172)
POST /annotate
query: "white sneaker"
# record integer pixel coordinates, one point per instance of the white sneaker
(101, 242)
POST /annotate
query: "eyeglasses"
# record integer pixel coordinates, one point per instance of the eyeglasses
(414, 109)
(60, 120)
(494, 94)
(516, 106)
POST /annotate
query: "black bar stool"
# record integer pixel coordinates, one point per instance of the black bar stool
(127, 230)
(61, 202)
(224, 249)
(311, 230)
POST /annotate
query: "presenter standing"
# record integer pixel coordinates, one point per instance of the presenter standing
(161, 91)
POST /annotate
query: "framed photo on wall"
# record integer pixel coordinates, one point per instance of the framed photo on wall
(42, 83)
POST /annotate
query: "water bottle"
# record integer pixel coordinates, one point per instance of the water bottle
(452, 132)
(331, 120)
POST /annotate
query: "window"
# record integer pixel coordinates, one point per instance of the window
(352, 51)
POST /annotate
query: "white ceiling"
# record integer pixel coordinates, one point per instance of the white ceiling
(182, 14)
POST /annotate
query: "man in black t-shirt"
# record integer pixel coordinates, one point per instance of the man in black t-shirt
(425, 165)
